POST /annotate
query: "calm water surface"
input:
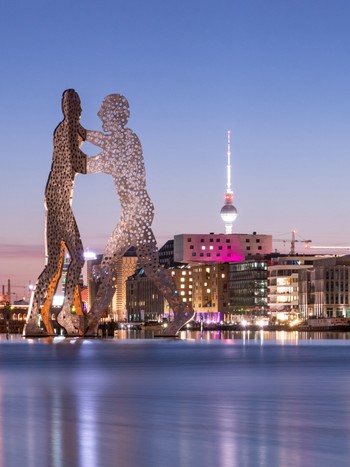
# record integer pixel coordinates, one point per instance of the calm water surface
(218, 400)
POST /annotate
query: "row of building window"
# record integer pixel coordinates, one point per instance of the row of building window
(218, 240)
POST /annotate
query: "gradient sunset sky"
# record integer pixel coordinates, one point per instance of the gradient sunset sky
(275, 72)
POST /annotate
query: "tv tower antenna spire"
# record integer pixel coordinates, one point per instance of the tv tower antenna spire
(229, 163)
(228, 212)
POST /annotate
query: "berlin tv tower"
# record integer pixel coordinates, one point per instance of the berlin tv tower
(228, 211)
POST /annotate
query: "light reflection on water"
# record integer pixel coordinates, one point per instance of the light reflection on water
(254, 399)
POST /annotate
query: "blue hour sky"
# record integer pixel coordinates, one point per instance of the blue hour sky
(275, 72)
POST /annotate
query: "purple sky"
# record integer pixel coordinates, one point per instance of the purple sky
(276, 73)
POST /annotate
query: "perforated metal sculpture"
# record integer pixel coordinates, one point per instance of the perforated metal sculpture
(122, 158)
(62, 233)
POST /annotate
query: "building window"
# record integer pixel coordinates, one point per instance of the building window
(201, 254)
(218, 240)
(202, 240)
(220, 247)
(211, 240)
(189, 239)
(257, 240)
(227, 240)
(247, 240)
(194, 254)
(248, 248)
(191, 247)
(208, 254)
(259, 247)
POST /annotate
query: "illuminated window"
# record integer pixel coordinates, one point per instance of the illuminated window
(208, 290)
(182, 293)
(203, 247)
(222, 276)
(182, 279)
(182, 286)
(211, 247)
(207, 270)
(183, 273)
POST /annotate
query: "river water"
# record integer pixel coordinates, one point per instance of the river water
(218, 400)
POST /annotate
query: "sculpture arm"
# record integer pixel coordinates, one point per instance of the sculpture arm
(82, 132)
(79, 161)
(94, 164)
(95, 137)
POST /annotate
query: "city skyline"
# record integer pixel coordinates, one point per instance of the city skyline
(274, 74)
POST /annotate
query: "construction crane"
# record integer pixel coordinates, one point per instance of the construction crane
(293, 241)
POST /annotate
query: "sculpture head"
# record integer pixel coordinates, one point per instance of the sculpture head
(114, 112)
(71, 106)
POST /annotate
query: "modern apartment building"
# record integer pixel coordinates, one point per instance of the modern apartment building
(330, 285)
(220, 248)
(144, 302)
(248, 289)
(210, 291)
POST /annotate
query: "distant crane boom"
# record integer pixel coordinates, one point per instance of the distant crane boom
(292, 241)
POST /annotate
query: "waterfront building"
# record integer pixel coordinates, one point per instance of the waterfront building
(248, 290)
(126, 266)
(182, 275)
(210, 291)
(284, 272)
(330, 285)
(220, 248)
(144, 302)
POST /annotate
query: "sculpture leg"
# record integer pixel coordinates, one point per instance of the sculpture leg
(44, 289)
(46, 308)
(117, 245)
(73, 322)
(148, 255)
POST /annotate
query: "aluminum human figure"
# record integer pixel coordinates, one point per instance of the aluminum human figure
(62, 233)
(122, 158)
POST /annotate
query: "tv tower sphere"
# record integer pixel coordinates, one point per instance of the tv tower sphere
(228, 211)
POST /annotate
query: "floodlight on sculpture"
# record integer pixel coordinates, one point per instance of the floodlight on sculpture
(61, 231)
(121, 156)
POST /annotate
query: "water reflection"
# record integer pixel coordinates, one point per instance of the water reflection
(249, 399)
